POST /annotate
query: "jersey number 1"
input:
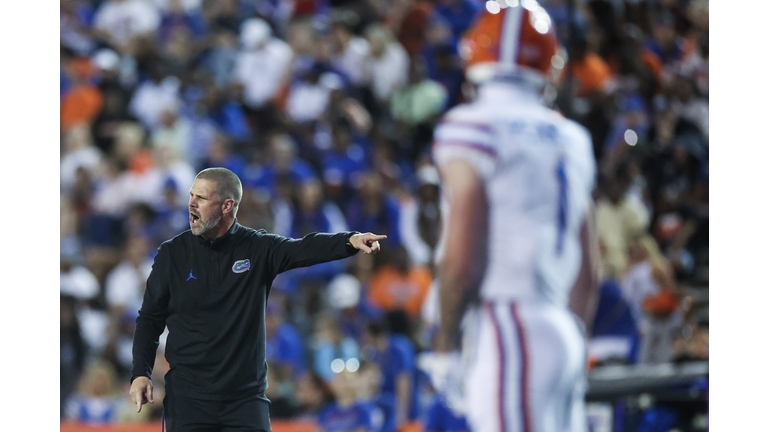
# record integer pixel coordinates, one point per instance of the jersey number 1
(562, 204)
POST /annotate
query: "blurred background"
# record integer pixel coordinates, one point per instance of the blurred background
(325, 109)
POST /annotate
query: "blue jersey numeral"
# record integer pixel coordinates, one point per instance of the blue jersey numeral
(562, 204)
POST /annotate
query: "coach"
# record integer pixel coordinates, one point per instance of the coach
(210, 286)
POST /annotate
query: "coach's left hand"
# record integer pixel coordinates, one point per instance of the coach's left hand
(368, 243)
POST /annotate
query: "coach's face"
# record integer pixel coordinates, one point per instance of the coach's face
(205, 206)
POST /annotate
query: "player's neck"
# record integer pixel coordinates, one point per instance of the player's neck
(504, 89)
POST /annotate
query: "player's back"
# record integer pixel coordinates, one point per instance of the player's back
(538, 169)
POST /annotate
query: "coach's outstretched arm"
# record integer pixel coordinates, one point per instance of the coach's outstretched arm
(317, 248)
(466, 250)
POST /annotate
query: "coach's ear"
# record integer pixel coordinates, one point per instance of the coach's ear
(228, 206)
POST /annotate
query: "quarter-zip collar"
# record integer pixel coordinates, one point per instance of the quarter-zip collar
(223, 241)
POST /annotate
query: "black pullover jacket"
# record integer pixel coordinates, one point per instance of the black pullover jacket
(212, 295)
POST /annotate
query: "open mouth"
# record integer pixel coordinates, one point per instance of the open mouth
(193, 218)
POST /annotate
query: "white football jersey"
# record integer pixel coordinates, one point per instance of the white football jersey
(539, 171)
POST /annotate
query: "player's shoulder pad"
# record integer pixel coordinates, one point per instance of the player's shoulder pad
(577, 129)
(465, 126)
(465, 112)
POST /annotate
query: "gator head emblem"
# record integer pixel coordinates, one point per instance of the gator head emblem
(241, 266)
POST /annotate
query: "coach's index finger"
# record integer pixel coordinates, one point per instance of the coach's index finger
(375, 237)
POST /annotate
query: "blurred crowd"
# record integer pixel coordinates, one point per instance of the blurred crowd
(325, 110)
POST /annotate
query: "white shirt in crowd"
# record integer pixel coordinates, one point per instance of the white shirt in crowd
(125, 285)
(177, 137)
(113, 196)
(417, 248)
(352, 61)
(307, 102)
(79, 282)
(260, 71)
(87, 157)
(151, 99)
(389, 71)
(124, 20)
(187, 5)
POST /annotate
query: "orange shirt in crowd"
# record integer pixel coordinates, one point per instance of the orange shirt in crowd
(392, 290)
(653, 62)
(141, 161)
(413, 29)
(81, 105)
(592, 72)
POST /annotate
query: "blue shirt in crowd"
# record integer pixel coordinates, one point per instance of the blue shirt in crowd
(336, 418)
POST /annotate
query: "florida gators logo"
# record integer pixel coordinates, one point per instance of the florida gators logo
(241, 266)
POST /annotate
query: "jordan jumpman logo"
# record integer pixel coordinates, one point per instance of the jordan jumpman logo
(190, 275)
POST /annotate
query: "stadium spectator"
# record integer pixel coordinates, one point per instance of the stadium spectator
(687, 104)
(97, 399)
(331, 344)
(280, 393)
(285, 348)
(115, 113)
(347, 413)
(172, 217)
(420, 217)
(665, 321)
(648, 274)
(615, 337)
(78, 282)
(618, 217)
(125, 283)
(262, 65)
(73, 349)
(591, 72)
(394, 356)
(308, 96)
(421, 100)
(79, 152)
(373, 209)
(172, 132)
(83, 101)
(118, 349)
(344, 163)
(74, 24)
(440, 418)
(459, 14)
(443, 67)
(387, 62)
(369, 389)
(119, 22)
(313, 394)
(664, 41)
(345, 298)
(220, 154)
(158, 93)
(400, 286)
(350, 53)
(282, 161)
(308, 212)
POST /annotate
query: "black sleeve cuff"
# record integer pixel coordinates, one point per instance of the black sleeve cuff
(351, 250)
(136, 376)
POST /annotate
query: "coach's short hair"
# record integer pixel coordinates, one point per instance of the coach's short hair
(228, 184)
